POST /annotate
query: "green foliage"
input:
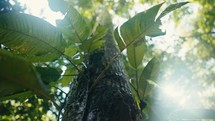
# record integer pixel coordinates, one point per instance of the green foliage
(27, 36)
(149, 73)
(32, 45)
(95, 41)
(131, 36)
(74, 27)
(135, 54)
(32, 109)
(17, 74)
(132, 33)
(171, 8)
(68, 76)
(48, 74)
(139, 26)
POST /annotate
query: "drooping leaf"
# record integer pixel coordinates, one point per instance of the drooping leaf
(171, 8)
(150, 72)
(135, 54)
(74, 27)
(17, 74)
(31, 37)
(48, 74)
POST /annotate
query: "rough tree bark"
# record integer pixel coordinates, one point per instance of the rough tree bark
(107, 98)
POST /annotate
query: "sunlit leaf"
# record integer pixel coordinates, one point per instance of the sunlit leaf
(141, 25)
(31, 37)
(100, 32)
(68, 76)
(171, 8)
(71, 50)
(150, 72)
(17, 74)
(135, 54)
(74, 27)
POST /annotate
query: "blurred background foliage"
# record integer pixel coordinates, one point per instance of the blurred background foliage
(185, 78)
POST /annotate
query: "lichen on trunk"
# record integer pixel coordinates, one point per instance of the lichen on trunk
(102, 92)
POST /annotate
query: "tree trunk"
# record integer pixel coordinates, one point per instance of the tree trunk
(107, 98)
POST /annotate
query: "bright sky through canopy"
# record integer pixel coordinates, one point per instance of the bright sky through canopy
(40, 8)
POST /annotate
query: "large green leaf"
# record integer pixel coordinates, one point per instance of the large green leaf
(149, 73)
(135, 54)
(17, 74)
(141, 25)
(31, 37)
(74, 27)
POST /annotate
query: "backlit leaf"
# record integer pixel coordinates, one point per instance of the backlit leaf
(74, 27)
(141, 25)
(171, 8)
(30, 37)
(135, 54)
(150, 72)
(68, 76)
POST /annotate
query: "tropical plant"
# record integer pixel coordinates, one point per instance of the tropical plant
(32, 49)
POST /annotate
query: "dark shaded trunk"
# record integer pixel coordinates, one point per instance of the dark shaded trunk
(107, 98)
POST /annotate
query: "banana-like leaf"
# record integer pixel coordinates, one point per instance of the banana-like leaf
(17, 74)
(74, 27)
(150, 72)
(143, 24)
(31, 37)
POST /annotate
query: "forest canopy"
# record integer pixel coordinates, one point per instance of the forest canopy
(166, 48)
